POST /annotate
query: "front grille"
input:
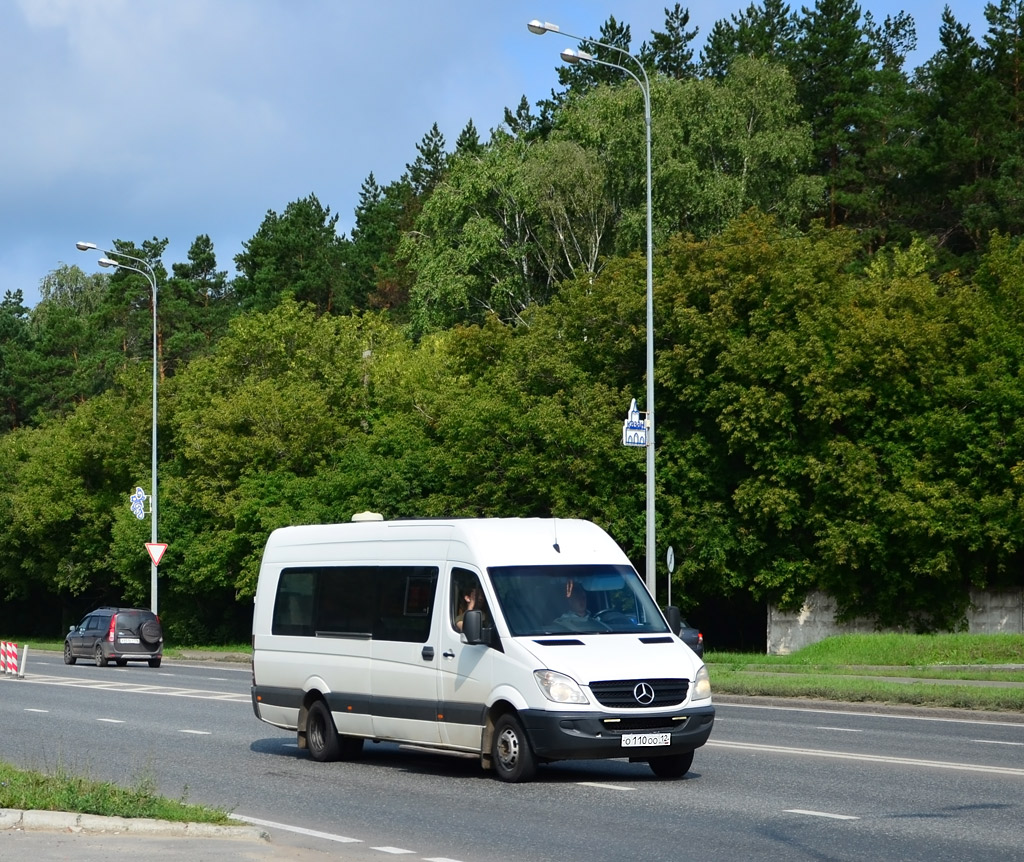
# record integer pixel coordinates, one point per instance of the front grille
(620, 693)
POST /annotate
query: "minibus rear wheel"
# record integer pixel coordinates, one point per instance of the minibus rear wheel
(510, 750)
(321, 734)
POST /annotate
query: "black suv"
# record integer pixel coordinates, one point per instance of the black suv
(119, 635)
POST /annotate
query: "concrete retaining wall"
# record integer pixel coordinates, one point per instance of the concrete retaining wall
(787, 632)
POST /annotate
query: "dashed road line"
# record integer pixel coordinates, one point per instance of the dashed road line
(825, 814)
(298, 830)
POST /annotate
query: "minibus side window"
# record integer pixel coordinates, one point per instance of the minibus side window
(384, 602)
(293, 605)
(346, 601)
(406, 603)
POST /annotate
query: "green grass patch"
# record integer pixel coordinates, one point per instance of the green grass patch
(854, 690)
(862, 668)
(896, 650)
(61, 791)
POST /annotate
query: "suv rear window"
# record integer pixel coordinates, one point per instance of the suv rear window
(133, 619)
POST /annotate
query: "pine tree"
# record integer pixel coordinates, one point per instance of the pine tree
(669, 52)
(767, 32)
(468, 141)
(427, 168)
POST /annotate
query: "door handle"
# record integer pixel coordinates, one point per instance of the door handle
(449, 653)
(428, 653)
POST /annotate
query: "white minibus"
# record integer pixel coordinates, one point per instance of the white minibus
(522, 640)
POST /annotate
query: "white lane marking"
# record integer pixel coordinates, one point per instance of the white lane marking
(820, 814)
(842, 729)
(394, 851)
(28, 709)
(144, 689)
(835, 712)
(299, 830)
(197, 732)
(112, 720)
(996, 742)
(216, 679)
(868, 758)
(603, 786)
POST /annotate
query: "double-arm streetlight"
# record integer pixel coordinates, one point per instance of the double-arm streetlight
(145, 270)
(574, 57)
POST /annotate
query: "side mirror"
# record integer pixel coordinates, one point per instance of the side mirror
(674, 619)
(72, 628)
(472, 627)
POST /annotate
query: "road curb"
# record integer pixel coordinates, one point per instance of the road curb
(94, 824)
(872, 707)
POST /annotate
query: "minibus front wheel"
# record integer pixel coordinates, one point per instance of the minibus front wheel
(511, 754)
(672, 765)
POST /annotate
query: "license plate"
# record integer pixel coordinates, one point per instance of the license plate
(638, 740)
(129, 640)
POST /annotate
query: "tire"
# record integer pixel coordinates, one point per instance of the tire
(151, 632)
(321, 734)
(101, 660)
(511, 755)
(68, 657)
(671, 766)
(154, 662)
(121, 662)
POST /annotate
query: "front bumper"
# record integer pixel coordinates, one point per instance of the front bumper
(590, 735)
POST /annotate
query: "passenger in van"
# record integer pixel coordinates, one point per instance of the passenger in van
(472, 600)
(577, 616)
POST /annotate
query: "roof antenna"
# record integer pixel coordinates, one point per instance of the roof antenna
(554, 529)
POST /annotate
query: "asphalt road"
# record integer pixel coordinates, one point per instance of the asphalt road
(775, 781)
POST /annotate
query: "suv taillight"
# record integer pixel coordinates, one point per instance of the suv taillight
(111, 633)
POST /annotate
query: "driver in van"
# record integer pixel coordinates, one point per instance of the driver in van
(577, 616)
(472, 600)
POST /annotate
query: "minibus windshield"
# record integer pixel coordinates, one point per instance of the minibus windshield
(591, 599)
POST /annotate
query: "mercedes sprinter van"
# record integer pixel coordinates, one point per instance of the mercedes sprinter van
(521, 640)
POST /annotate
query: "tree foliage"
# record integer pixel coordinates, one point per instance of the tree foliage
(838, 316)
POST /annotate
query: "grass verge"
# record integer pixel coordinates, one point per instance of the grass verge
(29, 790)
(970, 671)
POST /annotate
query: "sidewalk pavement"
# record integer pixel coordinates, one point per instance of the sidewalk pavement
(57, 836)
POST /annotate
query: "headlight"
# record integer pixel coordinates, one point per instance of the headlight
(559, 687)
(701, 685)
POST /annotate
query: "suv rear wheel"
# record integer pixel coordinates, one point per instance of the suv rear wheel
(101, 660)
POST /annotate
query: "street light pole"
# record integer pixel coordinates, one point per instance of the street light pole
(573, 57)
(148, 273)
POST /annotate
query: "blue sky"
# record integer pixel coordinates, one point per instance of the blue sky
(175, 118)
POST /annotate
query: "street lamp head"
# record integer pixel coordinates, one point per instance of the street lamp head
(541, 27)
(572, 57)
(85, 246)
(106, 261)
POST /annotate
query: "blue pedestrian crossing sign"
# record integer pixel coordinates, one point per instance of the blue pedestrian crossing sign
(634, 429)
